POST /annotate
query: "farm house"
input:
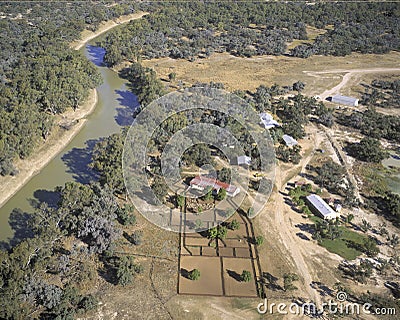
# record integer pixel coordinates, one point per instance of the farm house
(201, 183)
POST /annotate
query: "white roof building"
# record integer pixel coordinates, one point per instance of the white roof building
(320, 207)
(268, 121)
(348, 101)
(243, 160)
(289, 140)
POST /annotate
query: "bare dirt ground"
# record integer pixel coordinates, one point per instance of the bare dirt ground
(304, 254)
(104, 27)
(210, 276)
(349, 73)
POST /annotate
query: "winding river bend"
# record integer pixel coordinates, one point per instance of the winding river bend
(113, 110)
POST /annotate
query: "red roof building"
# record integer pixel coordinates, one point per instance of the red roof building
(201, 183)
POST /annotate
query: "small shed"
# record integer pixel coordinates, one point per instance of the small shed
(268, 121)
(338, 207)
(243, 160)
(348, 101)
(289, 140)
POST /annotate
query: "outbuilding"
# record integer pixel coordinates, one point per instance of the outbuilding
(348, 101)
(243, 160)
(268, 121)
(289, 140)
(321, 208)
(201, 183)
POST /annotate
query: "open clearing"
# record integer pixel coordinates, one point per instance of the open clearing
(248, 73)
(210, 279)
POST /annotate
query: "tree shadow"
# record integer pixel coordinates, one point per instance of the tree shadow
(301, 235)
(20, 223)
(184, 273)
(129, 104)
(51, 198)
(272, 281)
(78, 160)
(109, 271)
(234, 275)
(96, 55)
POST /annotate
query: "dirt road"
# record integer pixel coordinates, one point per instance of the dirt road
(349, 73)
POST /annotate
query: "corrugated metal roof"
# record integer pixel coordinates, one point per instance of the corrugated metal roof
(268, 120)
(289, 140)
(214, 183)
(244, 160)
(344, 99)
(320, 205)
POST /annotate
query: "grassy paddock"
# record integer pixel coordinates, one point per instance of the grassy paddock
(342, 246)
(249, 73)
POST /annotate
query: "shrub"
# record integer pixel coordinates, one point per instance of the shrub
(194, 274)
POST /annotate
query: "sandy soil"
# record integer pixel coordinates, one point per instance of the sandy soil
(59, 138)
(348, 75)
(104, 27)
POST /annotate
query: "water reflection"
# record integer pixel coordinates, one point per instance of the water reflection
(78, 160)
(128, 102)
(96, 55)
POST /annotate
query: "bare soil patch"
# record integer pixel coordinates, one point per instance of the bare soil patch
(210, 276)
(233, 268)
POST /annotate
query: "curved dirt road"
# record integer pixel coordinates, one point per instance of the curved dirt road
(349, 73)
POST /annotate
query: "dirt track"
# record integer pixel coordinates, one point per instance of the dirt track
(349, 73)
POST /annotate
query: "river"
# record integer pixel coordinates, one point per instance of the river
(113, 110)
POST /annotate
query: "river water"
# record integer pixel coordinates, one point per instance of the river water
(113, 110)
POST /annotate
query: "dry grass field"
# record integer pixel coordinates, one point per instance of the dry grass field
(248, 73)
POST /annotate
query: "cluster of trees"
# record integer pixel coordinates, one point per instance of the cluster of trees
(197, 29)
(294, 112)
(288, 154)
(327, 229)
(330, 175)
(107, 161)
(199, 154)
(382, 93)
(368, 150)
(373, 124)
(392, 204)
(127, 269)
(42, 275)
(40, 74)
(143, 81)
